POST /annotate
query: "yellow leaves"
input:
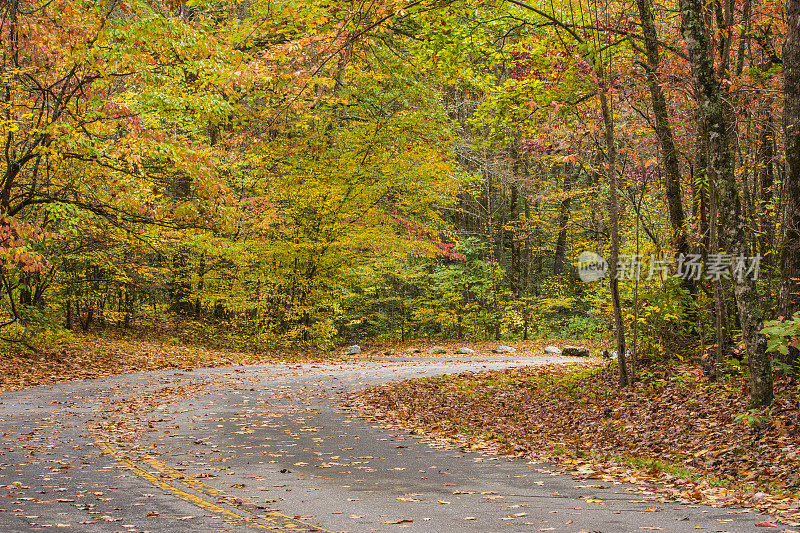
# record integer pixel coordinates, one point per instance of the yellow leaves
(314, 23)
(8, 126)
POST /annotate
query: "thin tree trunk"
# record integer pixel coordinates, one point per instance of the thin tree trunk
(701, 184)
(713, 363)
(563, 220)
(68, 318)
(514, 274)
(201, 272)
(611, 157)
(669, 154)
(635, 348)
(766, 183)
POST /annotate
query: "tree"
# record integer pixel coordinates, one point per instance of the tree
(790, 255)
(715, 115)
(89, 92)
(663, 129)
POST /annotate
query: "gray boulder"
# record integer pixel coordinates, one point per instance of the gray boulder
(504, 349)
(413, 350)
(575, 351)
(465, 351)
(389, 352)
(552, 350)
(352, 350)
(437, 350)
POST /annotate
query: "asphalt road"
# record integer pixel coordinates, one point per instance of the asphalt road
(267, 448)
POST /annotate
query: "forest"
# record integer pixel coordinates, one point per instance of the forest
(301, 173)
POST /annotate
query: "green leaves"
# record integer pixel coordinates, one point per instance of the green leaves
(782, 334)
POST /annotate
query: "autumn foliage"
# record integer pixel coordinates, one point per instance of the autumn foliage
(291, 173)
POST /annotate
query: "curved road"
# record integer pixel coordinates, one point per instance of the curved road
(267, 448)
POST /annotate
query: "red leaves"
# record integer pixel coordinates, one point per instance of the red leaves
(420, 233)
(16, 239)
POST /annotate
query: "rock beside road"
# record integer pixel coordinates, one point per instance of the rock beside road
(552, 350)
(352, 350)
(413, 351)
(575, 351)
(465, 351)
(504, 349)
(437, 350)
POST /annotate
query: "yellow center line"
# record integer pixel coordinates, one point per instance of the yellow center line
(274, 521)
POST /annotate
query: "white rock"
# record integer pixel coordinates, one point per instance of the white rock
(552, 349)
(465, 351)
(352, 350)
(504, 349)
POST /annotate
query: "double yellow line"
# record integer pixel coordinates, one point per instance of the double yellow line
(203, 495)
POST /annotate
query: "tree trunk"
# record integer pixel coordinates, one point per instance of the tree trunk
(68, 318)
(713, 363)
(669, 154)
(563, 220)
(611, 157)
(715, 113)
(514, 274)
(181, 286)
(766, 183)
(700, 185)
(790, 254)
(201, 272)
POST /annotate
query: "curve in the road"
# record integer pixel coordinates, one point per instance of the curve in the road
(281, 427)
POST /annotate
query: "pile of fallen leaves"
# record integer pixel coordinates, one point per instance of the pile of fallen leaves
(695, 437)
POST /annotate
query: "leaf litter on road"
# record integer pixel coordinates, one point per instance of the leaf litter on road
(683, 435)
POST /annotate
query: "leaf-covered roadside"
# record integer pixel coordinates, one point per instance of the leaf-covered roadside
(92, 356)
(685, 434)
